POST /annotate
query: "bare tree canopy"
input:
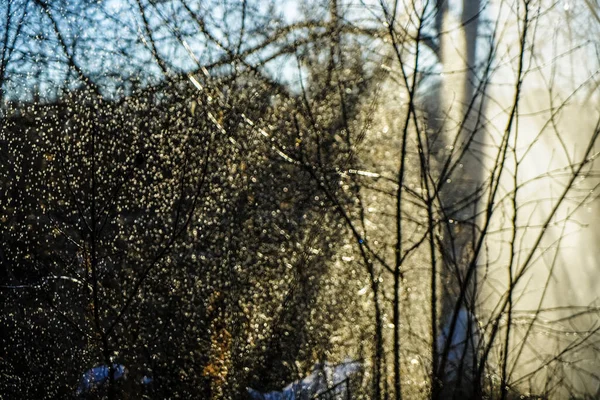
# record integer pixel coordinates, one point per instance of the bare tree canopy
(229, 199)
